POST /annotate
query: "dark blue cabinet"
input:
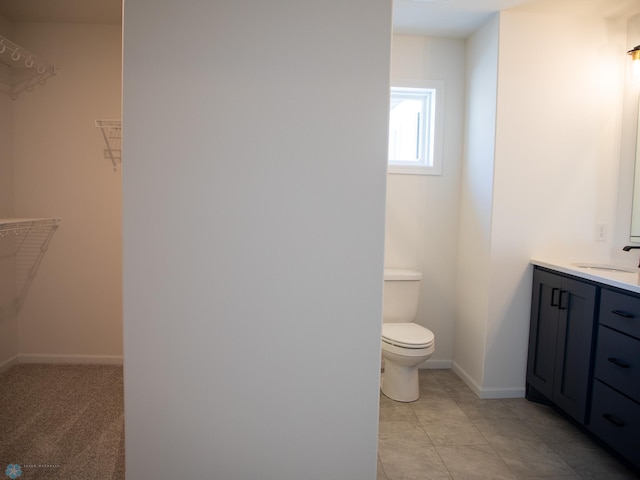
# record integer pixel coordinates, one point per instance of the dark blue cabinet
(584, 357)
(563, 313)
(615, 411)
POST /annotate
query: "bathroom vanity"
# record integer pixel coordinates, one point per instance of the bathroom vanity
(584, 349)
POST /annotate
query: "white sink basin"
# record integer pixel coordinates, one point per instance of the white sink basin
(609, 267)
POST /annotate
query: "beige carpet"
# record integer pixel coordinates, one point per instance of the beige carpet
(62, 421)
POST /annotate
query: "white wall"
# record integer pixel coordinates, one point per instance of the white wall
(254, 185)
(476, 203)
(73, 310)
(8, 320)
(555, 170)
(422, 210)
(556, 167)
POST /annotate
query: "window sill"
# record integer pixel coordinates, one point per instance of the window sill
(413, 170)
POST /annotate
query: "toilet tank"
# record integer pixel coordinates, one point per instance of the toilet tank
(400, 295)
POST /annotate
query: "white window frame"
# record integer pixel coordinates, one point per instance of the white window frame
(431, 157)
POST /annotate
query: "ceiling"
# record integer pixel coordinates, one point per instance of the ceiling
(62, 11)
(460, 18)
(446, 18)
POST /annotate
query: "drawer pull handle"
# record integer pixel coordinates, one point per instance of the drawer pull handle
(562, 301)
(616, 421)
(619, 363)
(554, 300)
(621, 313)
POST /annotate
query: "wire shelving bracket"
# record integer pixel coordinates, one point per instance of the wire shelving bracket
(25, 69)
(112, 133)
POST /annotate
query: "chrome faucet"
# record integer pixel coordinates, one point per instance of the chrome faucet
(628, 248)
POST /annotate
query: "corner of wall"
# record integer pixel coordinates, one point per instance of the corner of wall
(8, 319)
(476, 202)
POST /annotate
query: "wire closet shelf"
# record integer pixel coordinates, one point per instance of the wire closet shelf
(19, 226)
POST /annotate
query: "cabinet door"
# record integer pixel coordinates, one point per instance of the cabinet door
(543, 331)
(573, 347)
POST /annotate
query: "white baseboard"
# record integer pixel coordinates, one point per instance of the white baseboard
(71, 359)
(511, 392)
(436, 365)
(7, 364)
(466, 378)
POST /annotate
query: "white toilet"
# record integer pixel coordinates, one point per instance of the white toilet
(404, 344)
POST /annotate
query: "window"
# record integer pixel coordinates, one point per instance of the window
(415, 131)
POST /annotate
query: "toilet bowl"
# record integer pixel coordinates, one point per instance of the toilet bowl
(404, 347)
(405, 344)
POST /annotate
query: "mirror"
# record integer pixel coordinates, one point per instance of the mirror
(635, 208)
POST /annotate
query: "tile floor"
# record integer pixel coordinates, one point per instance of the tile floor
(449, 433)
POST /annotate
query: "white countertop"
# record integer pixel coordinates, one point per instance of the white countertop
(626, 280)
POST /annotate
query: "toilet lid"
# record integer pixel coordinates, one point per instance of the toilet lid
(408, 335)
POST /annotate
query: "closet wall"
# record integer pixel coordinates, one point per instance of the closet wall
(73, 309)
(253, 230)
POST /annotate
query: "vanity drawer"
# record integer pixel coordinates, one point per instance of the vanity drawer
(616, 420)
(618, 361)
(620, 312)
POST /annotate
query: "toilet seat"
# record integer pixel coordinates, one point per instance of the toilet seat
(407, 335)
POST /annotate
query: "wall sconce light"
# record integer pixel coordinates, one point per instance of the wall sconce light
(635, 60)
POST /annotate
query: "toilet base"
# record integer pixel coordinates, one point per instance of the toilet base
(400, 383)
